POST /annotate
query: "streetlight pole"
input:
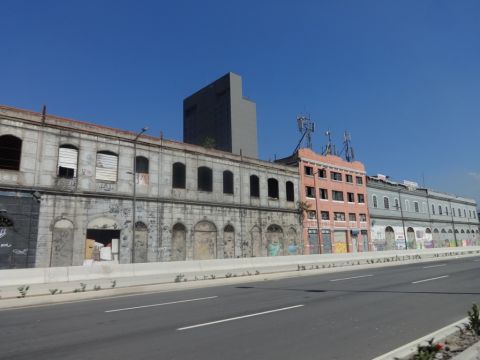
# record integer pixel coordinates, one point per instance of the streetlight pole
(135, 189)
(320, 241)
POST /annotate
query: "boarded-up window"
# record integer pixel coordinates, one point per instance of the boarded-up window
(178, 176)
(290, 191)
(273, 188)
(141, 170)
(227, 182)
(10, 152)
(106, 169)
(67, 161)
(204, 179)
(254, 186)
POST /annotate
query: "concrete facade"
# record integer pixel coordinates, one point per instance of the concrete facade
(334, 195)
(405, 216)
(93, 198)
(220, 112)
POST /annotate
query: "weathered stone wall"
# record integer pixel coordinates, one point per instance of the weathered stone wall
(193, 231)
(208, 224)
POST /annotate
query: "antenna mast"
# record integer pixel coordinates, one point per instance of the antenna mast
(306, 128)
(347, 147)
(329, 149)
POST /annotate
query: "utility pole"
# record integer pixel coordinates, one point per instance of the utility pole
(135, 189)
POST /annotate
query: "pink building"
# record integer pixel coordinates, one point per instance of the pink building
(333, 193)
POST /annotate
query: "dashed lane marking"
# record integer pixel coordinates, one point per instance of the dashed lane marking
(162, 304)
(431, 279)
(432, 266)
(239, 317)
(350, 278)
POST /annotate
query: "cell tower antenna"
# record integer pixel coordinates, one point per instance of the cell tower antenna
(347, 147)
(329, 148)
(306, 128)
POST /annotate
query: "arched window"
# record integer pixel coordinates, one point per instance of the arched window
(450, 231)
(107, 163)
(227, 182)
(428, 231)
(273, 188)
(141, 165)
(446, 210)
(290, 191)
(254, 186)
(415, 205)
(440, 210)
(397, 205)
(463, 231)
(407, 205)
(178, 175)
(67, 161)
(10, 152)
(433, 209)
(443, 231)
(435, 231)
(204, 178)
(141, 170)
(386, 203)
(374, 199)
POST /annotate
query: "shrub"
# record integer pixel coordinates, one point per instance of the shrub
(23, 290)
(179, 277)
(474, 320)
(427, 352)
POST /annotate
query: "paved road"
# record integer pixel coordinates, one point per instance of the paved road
(345, 315)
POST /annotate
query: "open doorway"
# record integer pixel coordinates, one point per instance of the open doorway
(102, 244)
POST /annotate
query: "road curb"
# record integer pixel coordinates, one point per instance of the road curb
(409, 349)
(471, 353)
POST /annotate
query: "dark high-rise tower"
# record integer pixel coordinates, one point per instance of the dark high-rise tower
(219, 115)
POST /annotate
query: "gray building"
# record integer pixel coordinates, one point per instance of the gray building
(403, 216)
(67, 196)
(221, 116)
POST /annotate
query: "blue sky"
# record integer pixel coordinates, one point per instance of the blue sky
(403, 77)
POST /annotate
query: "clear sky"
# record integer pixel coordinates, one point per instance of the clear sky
(403, 77)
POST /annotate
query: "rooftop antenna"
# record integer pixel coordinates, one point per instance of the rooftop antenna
(329, 150)
(347, 147)
(306, 128)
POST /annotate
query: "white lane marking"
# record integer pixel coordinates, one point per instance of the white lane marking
(435, 278)
(167, 303)
(353, 277)
(239, 317)
(432, 266)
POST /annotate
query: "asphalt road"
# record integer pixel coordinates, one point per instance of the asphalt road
(345, 315)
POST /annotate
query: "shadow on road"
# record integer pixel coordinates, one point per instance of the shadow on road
(360, 291)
